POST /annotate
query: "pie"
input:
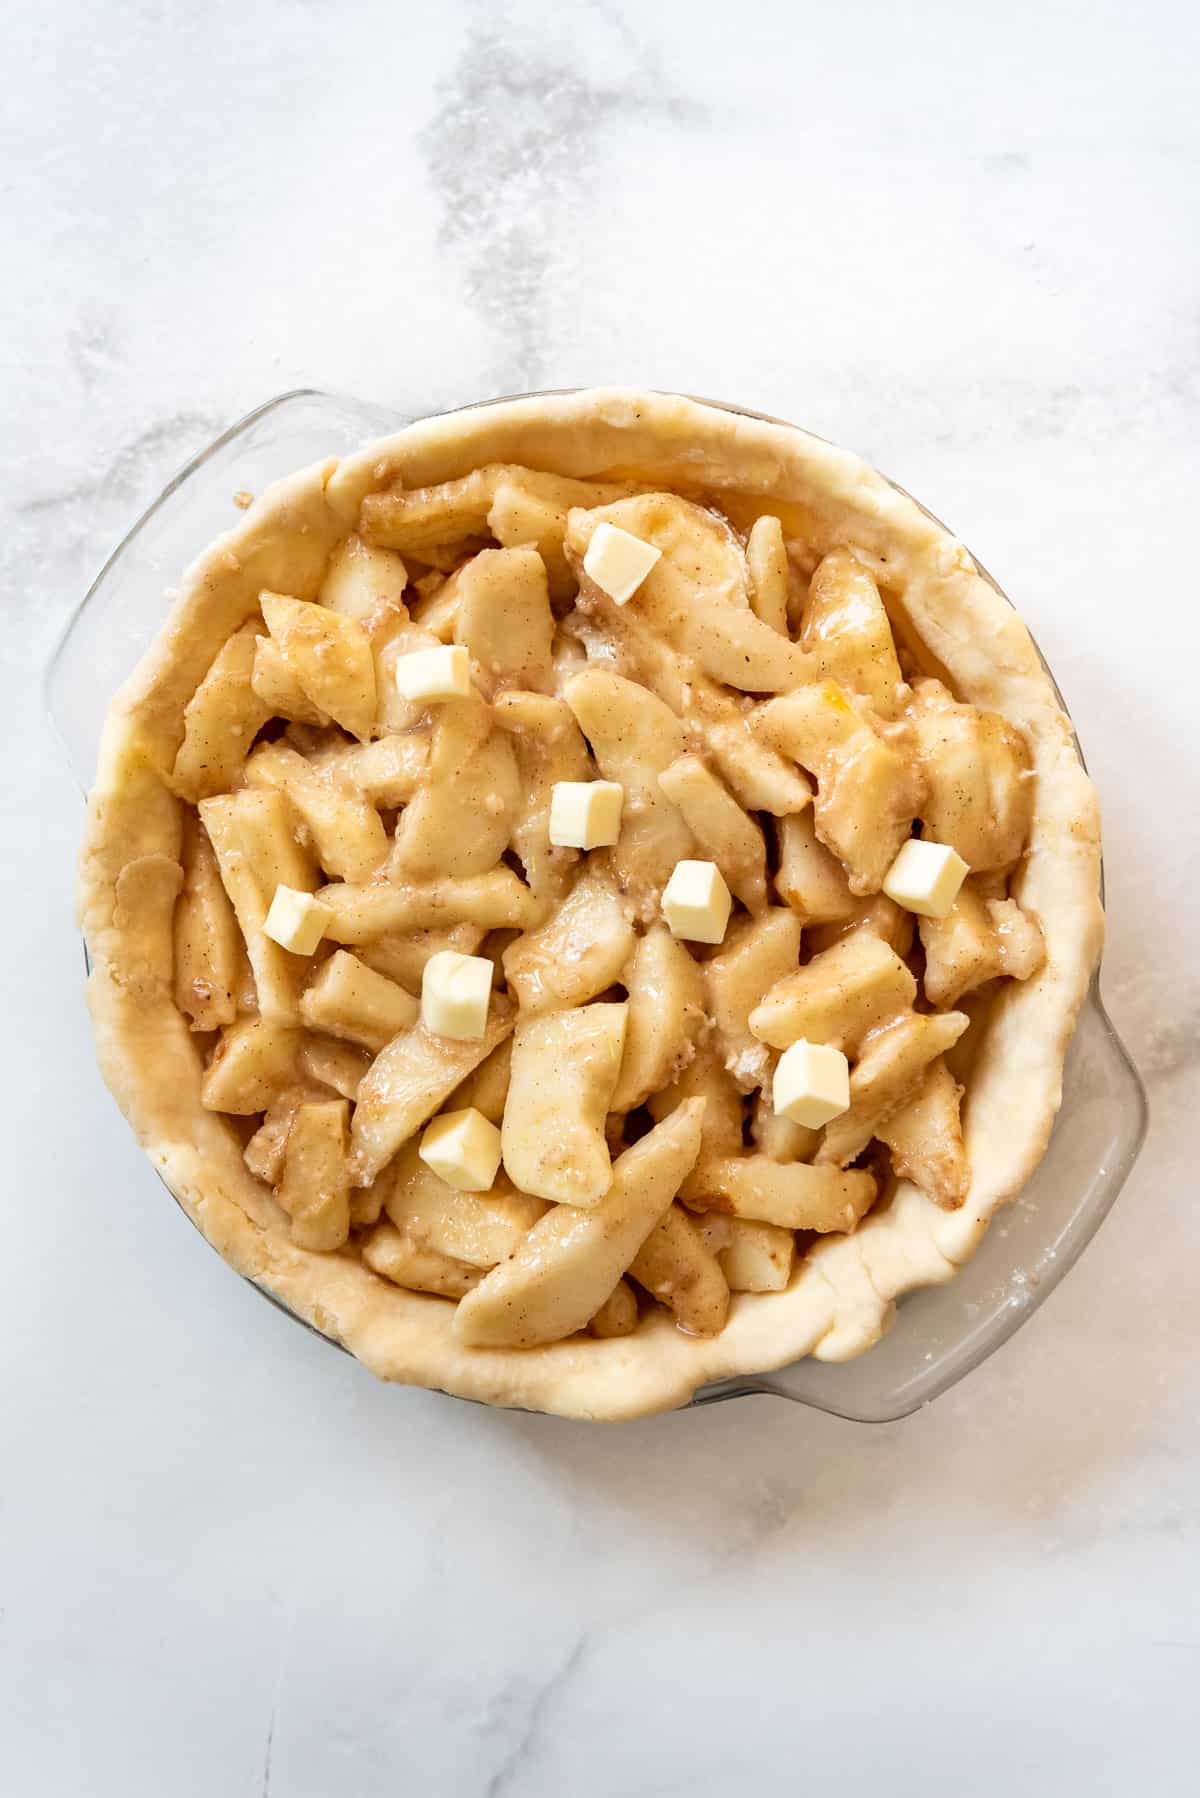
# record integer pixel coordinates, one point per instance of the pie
(590, 896)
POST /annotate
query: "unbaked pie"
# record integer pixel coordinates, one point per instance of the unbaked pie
(590, 896)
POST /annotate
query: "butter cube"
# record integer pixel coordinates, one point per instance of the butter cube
(296, 921)
(811, 1085)
(696, 902)
(455, 990)
(925, 877)
(585, 814)
(463, 1149)
(618, 561)
(442, 673)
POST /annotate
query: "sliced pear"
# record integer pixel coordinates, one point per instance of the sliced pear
(697, 594)
(264, 1152)
(978, 776)
(486, 1090)
(207, 942)
(436, 610)
(531, 508)
(549, 747)
(714, 1228)
(723, 830)
(279, 690)
(676, 1268)
(330, 1062)
(705, 1078)
(253, 1063)
(403, 958)
(792, 1195)
(416, 1267)
(395, 636)
(778, 1137)
(460, 819)
(762, 953)
(757, 774)
(926, 1140)
(1022, 944)
(618, 1315)
(564, 1070)
(701, 559)
(766, 559)
(504, 619)
(362, 582)
(346, 830)
(569, 1263)
(577, 953)
(810, 878)
(666, 1014)
(314, 1188)
(977, 941)
(757, 1257)
(387, 771)
(220, 721)
(838, 997)
(867, 791)
(410, 1080)
(495, 901)
(480, 1228)
(329, 654)
(887, 1073)
(351, 1000)
(846, 628)
(635, 738)
(743, 652)
(962, 950)
(253, 836)
(426, 518)
(874, 912)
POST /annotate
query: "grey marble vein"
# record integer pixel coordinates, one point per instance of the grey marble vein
(533, 1710)
(513, 150)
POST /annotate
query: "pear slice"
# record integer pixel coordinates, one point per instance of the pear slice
(569, 1263)
(677, 1269)
(314, 1188)
(330, 656)
(564, 1069)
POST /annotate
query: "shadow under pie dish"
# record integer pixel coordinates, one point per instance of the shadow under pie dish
(789, 702)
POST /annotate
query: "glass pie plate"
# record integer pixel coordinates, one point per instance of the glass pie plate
(941, 1333)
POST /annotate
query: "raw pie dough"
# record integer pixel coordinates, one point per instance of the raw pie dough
(951, 623)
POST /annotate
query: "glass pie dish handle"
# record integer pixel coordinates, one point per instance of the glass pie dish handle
(126, 603)
(940, 1333)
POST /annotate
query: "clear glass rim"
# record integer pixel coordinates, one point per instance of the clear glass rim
(161, 499)
(390, 423)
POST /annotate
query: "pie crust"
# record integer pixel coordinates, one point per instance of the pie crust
(841, 1298)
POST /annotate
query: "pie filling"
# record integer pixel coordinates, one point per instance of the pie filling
(589, 904)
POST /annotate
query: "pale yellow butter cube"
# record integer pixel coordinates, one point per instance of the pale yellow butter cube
(696, 902)
(586, 814)
(463, 1149)
(925, 877)
(811, 1085)
(428, 674)
(455, 990)
(296, 921)
(618, 561)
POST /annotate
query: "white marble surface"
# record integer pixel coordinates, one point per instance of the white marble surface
(960, 238)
